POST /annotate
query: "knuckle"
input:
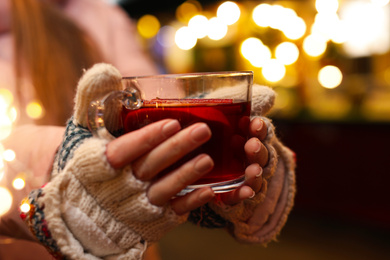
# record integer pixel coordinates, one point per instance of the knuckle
(182, 177)
(140, 171)
(176, 145)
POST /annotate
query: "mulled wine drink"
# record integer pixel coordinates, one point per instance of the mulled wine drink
(227, 121)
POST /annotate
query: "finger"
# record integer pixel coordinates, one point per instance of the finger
(241, 193)
(171, 150)
(130, 146)
(193, 200)
(161, 191)
(253, 177)
(251, 186)
(256, 151)
(258, 128)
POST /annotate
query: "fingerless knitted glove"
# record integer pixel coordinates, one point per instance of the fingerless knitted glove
(90, 210)
(261, 218)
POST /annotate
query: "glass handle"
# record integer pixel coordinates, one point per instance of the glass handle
(130, 98)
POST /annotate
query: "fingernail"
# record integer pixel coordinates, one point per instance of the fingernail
(204, 163)
(201, 133)
(257, 146)
(260, 172)
(259, 124)
(171, 127)
(253, 195)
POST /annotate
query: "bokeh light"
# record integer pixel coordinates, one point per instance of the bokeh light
(314, 45)
(34, 110)
(25, 207)
(327, 24)
(1, 163)
(166, 36)
(229, 12)
(6, 200)
(380, 2)
(187, 10)
(255, 52)
(6, 97)
(330, 77)
(279, 18)
(9, 155)
(5, 125)
(366, 27)
(327, 6)
(217, 29)
(13, 114)
(199, 25)
(185, 39)
(18, 183)
(273, 70)
(295, 29)
(148, 26)
(287, 53)
(262, 15)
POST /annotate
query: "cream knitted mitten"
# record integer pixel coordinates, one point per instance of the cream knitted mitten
(93, 211)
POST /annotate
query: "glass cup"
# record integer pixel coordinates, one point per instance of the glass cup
(220, 99)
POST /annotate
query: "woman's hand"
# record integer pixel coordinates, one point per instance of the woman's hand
(257, 155)
(157, 146)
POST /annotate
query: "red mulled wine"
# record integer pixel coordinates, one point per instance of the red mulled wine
(228, 122)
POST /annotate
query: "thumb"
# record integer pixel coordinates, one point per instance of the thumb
(263, 99)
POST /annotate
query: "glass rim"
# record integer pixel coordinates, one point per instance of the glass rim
(192, 75)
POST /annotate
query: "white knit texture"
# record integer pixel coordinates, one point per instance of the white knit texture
(97, 82)
(92, 210)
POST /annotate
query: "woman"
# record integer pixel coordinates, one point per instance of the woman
(254, 213)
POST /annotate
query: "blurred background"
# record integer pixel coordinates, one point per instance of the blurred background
(329, 63)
